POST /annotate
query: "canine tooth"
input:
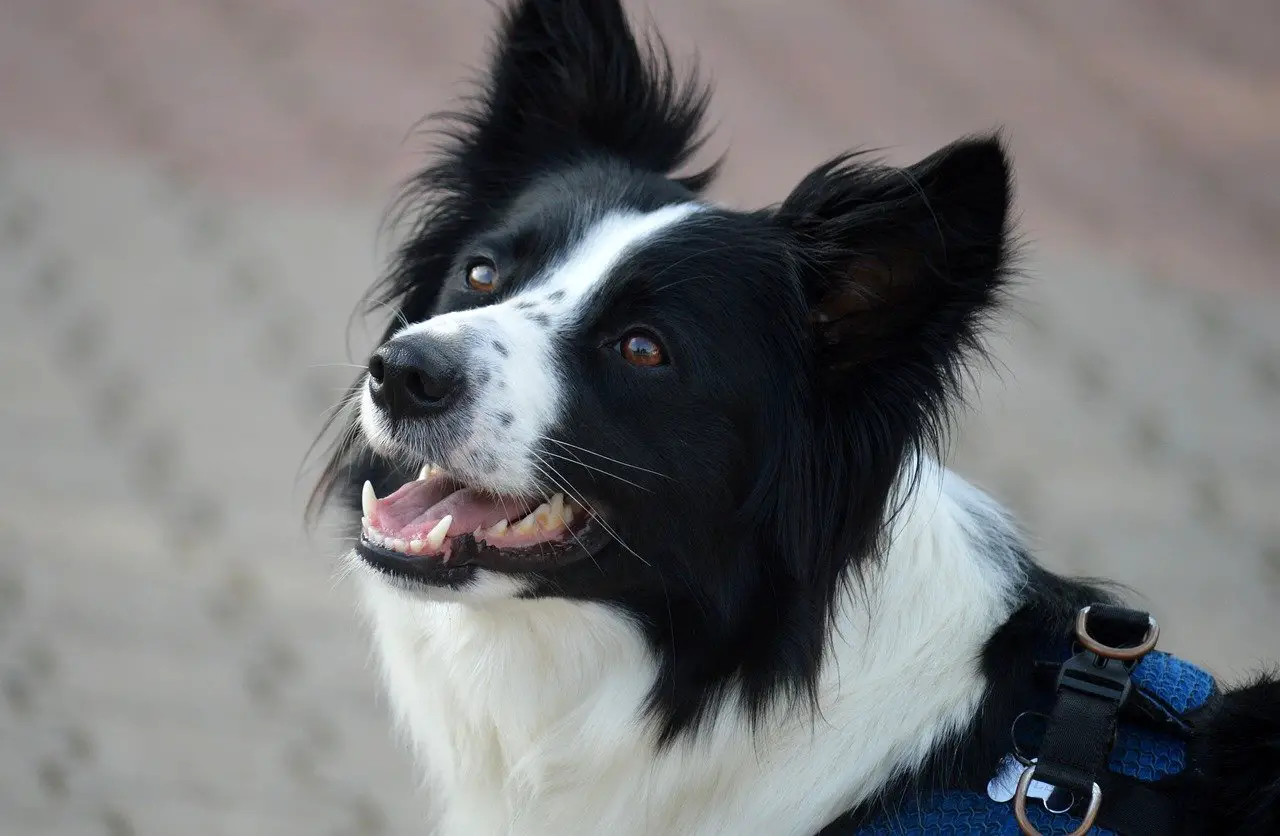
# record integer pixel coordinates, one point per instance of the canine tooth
(425, 472)
(368, 498)
(499, 529)
(399, 545)
(416, 546)
(557, 507)
(567, 515)
(435, 538)
(553, 521)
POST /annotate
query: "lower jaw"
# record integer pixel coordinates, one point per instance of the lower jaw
(467, 556)
(431, 572)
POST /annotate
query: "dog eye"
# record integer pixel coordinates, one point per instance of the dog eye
(482, 276)
(640, 348)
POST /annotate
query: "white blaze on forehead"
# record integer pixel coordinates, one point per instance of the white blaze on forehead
(604, 245)
(512, 361)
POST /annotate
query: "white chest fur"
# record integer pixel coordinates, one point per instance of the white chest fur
(526, 715)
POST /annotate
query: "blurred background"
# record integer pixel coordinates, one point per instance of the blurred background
(190, 198)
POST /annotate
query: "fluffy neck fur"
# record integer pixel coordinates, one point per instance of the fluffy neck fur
(528, 716)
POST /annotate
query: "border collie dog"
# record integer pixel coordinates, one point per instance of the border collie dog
(655, 537)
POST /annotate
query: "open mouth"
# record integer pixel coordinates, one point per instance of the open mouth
(438, 530)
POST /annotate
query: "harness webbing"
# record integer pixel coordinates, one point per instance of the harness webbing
(1122, 725)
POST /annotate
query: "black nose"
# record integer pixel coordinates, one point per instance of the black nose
(414, 376)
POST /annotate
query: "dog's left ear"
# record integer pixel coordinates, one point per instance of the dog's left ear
(901, 265)
(570, 77)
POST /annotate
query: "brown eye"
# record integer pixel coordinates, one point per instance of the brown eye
(639, 348)
(482, 276)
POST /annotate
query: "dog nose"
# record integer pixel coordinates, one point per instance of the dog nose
(414, 376)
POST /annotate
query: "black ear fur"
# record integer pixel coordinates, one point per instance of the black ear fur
(902, 265)
(570, 78)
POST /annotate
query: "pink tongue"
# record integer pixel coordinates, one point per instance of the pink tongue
(418, 506)
(471, 509)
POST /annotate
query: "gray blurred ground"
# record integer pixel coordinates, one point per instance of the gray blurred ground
(189, 200)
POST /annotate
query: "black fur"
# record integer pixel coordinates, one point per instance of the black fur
(1243, 752)
(821, 345)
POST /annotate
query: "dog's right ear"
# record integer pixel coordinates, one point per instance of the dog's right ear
(570, 78)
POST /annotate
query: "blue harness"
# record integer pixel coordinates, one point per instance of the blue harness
(1160, 695)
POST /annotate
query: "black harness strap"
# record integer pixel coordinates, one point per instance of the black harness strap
(1092, 688)
(1132, 808)
(1082, 727)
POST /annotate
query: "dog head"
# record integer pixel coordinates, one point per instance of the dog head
(616, 390)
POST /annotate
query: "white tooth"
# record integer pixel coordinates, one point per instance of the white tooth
(528, 524)
(543, 515)
(568, 514)
(499, 529)
(435, 538)
(399, 545)
(556, 516)
(416, 546)
(368, 499)
(375, 538)
(425, 472)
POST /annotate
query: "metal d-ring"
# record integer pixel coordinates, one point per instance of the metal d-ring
(1022, 757)
(1106, 651)
(1020, 806)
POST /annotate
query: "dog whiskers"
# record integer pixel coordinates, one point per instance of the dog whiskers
(601, 455)
(581, 463)
(564, 484)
